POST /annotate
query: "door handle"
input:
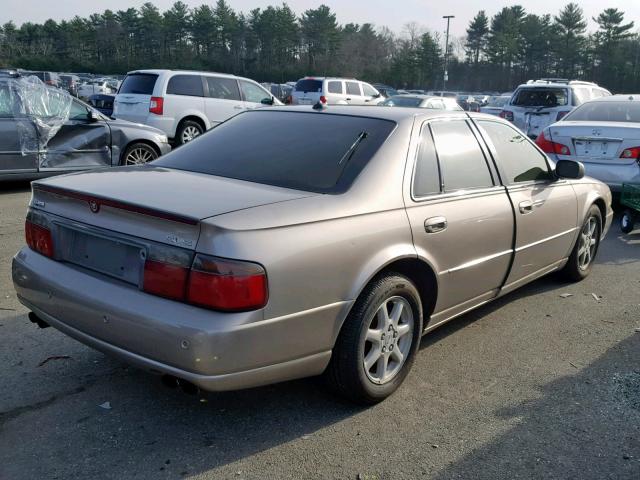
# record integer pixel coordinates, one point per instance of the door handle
(525, 207)
(435, 224)
(348, 99)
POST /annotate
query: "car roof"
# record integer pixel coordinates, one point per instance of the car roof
(618, 98)
(199, 72)
(421, 96)
(383, 113)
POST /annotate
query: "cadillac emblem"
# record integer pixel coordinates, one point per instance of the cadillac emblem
(94, 206)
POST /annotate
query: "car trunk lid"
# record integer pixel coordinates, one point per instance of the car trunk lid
(597, 142)
(134, 97)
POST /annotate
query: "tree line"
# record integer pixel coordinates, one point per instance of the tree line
(276, 44)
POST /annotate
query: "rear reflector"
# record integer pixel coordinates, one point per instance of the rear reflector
(38, 238)
(156, 105)
(323, 99)
(227, 285)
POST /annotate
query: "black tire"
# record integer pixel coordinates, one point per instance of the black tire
(138, 154)
(627, 221)
(575, 270)
(183, 134)
(346, 373)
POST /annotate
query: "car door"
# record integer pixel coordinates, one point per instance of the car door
(18, 135)
(83, 141)
(222, 98)
(253, 94)
(461, 218)
(354, 94)
(545, 208)
(370, 94)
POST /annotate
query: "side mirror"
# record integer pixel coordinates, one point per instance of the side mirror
(267, 101)
(377, 95)
(92, 116)
(569, 169)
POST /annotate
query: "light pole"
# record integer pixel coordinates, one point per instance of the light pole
(446, 53)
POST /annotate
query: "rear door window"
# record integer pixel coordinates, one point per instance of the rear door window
(462, 162)
(307, 85)
(223, 88)
(139, 83)
(246, 148)
(519, 159)
(353, 88)
(334, 87)
(541, 97)
(581, 95)
(426, 178)
(187, 85)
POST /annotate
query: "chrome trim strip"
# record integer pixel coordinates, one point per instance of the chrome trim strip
(477, 261)
(469, 192)
(552, 237)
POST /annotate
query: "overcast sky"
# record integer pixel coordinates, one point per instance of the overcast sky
(391, 13)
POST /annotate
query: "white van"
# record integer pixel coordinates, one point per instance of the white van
(334, 91)
(184, 104)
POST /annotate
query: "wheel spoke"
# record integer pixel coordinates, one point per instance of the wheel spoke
(397, 355)
(403, 329)
(381, 370)
(396, 313)
(373, 336)
(383, 317)
(372, 357)
(592, 242)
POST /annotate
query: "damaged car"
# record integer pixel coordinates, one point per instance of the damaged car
(44, 131)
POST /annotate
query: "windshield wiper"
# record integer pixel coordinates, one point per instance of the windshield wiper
(352, 149)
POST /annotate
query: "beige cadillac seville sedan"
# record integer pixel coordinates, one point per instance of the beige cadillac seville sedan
(245, 257)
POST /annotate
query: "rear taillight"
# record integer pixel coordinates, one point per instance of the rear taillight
(561, 115)
(323, 99)
(631, 153)
(548, 146)
(228, 285)
(38, 238)
(507, 115)
(156, 105)
(210, 282)
(289, 100)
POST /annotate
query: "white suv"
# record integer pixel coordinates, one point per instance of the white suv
(334, 91)
(184, 104)
(539, 103)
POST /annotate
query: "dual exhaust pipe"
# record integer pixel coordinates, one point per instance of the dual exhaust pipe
(33, 318)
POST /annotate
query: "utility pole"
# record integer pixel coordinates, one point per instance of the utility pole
(446, 53)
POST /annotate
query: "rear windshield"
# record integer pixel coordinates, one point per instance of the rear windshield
(540, 97)
(141, 83)
(321, 152)
(627, 111)
(306, 85)
(400, 101)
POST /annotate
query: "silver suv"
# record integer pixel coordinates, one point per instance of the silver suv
(334, 91)
(538, 103)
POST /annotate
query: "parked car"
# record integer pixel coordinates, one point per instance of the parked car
(385, 90)
(43, 134)
(94, 87)
(421, 101)
(539, 103)
(495, 104)
(334, 91)
(603, 134)
(70, 83)
(48, 78)
(184, 104)
(234, 262)
(468, 102)
(102, 103)
(447, 94)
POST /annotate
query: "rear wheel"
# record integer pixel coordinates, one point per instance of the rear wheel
(187, 131)
(627, 221)
(139, 154)
(581, 259)
(378, 341)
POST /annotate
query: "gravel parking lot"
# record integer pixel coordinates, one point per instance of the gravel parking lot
(536, 385)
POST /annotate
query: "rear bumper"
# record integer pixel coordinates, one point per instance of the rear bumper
(213, 350)
(612, 174)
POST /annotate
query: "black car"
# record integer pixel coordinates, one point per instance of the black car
(45, 130)
(385, 90)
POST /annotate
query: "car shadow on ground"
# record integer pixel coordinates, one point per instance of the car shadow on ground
(14, 187)
(584, 426)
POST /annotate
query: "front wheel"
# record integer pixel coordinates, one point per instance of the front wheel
(139, 154)
(627, 221)
(378, 341)
(187, 131)
(584, 252)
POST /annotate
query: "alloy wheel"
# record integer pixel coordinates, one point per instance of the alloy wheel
(139, 156)
(588, 243)
(189, 133)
